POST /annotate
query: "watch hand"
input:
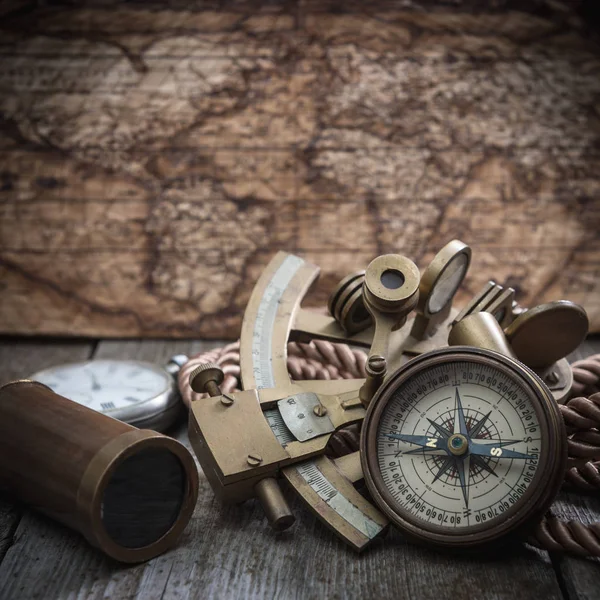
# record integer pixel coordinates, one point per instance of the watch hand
(495, 451)
(479, 462)
(459, 417)
(478, 426)
(419, 440)
(448, 462)
(463, 467)
(95, 385)
(440, 429)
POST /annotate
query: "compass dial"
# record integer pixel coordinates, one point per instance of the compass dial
(460, 446)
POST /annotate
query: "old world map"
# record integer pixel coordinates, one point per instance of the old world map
(153, 159)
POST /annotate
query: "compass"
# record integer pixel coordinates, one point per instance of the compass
(463, 446)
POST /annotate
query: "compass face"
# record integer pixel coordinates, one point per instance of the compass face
(459, 444)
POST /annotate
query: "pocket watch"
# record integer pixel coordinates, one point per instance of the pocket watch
(139, 393)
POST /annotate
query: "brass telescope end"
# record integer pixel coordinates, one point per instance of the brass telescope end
(130, 492)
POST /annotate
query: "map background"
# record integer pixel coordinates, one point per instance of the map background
(154, 157)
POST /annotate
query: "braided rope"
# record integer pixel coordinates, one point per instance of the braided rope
(585, 477)
(586, 376)
(582, 413)
(326, 360)
(555, 535)
(316, 360)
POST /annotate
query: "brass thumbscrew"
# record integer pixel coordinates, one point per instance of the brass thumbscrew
(207, 378)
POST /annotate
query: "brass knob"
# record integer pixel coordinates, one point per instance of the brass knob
(346, 304)
(207, 378)
(274, 504)
(391, 285)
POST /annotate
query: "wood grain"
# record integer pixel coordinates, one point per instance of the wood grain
(581, 577)
(153, 159)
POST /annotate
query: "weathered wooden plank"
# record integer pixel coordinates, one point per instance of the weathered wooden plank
(22, 357)
(581, 577)
(154, 159)
(18, 360)
(230, 552)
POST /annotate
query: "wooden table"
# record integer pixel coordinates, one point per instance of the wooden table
(230, 552)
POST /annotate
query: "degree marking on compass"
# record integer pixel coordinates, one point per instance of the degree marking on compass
(496, 411)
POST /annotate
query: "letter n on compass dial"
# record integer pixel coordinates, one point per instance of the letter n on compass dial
(458, 447)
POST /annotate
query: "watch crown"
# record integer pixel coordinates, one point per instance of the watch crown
(175, 363)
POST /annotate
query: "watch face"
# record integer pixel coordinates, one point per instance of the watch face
(114, 387)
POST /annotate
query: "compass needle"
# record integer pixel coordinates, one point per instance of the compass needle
(496, 451)
(463, 468)
(428, 451)
(460, 425)
(477, 427)
(448, 462)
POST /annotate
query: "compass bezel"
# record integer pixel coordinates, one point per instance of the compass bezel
(526, 511)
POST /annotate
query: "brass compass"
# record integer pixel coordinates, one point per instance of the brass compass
(463, 446)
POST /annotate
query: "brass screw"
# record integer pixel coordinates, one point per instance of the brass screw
(226, 400)
(376, 365)
(254, 460)
(320, 410)
(376, 369)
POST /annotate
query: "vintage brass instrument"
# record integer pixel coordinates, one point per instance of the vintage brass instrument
(130, 492)
(278, 429)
